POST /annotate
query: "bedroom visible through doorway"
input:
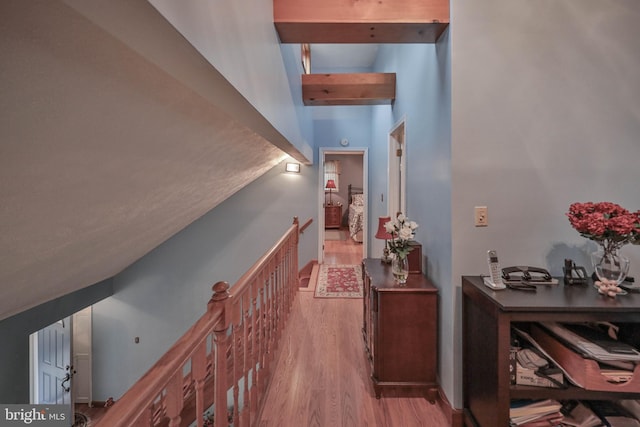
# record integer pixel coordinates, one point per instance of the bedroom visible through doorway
(343, 206)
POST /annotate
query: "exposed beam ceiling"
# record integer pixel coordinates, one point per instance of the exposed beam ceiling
(349, 89)
(366, 21)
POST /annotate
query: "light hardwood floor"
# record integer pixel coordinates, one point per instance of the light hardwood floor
(322, 379)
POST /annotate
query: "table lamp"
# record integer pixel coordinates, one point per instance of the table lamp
(383, 234)
(331, 184)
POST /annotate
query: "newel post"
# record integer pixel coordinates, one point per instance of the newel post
(219, 302)
(296, 222)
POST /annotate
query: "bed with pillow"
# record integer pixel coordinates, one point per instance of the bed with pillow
(356, 213)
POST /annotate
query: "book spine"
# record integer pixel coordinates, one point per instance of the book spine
(512, 365)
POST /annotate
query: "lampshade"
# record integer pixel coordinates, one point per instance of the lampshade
(382, 232)
(330, 184)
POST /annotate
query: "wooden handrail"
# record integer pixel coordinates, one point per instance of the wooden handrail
(305, 225)
(232, 343)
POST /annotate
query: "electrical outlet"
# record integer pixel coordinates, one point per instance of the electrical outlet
(481, 216)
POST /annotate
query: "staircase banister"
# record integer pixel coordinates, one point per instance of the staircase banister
(135, 406)
(135, 401)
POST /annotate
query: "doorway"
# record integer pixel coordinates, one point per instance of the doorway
(60, 361)
(397, 201)
(346, 238)
(51, 367)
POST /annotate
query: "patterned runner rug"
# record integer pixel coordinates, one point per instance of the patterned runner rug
(339, 281)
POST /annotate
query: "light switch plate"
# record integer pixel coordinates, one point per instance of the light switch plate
(481, 216)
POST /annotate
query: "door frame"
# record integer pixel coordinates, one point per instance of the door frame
(397, 171)
(365, 192)
(86, 326)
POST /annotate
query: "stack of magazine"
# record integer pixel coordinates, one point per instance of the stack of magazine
(616, 359)
(577, 414)
(571, 413)
(528, 413)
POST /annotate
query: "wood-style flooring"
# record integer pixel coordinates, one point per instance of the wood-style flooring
(322, 376)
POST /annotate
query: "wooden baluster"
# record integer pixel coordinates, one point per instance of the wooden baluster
(199, 370)
(255, 350)
(264, 329)
(277, 301)
(174, 399)
(294, 283)
(293, 248)
(285, 286)
(270, 321)
(144, 420)
(282, 304)
(277, 285)
(220, 298)
(293, 241)
(246, 359)
(237, 354)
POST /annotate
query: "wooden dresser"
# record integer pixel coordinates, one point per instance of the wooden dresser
(400, 330)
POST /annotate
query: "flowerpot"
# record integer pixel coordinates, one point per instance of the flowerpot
(400, 270)
(610, 265)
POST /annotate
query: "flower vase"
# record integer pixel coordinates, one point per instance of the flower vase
(400, 269)
(609, 265)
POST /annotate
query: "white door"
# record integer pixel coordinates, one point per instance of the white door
(54, 369)
(397, 175)
(82, 355)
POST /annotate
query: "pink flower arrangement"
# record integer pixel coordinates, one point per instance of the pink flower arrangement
(606, 223)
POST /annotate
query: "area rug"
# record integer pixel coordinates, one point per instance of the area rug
(335, 235)
(339, 281)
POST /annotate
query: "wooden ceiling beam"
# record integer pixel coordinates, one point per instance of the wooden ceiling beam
(349, 89)
(362, 21)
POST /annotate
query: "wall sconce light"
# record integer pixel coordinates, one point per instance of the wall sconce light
(292, 167)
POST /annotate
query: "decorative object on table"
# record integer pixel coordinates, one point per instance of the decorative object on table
(402, 231)
(610, 226)
(331, 185)
(383, 234)
(574, 274)
(609, 288)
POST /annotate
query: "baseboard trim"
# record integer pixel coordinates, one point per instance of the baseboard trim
(455, 417)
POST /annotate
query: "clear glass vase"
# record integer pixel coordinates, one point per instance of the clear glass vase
(609, 265)
(400, 269)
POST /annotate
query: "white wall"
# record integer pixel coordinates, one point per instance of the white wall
(545, 112)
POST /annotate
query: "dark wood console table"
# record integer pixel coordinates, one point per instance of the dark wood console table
(487, 319)
(400, 330)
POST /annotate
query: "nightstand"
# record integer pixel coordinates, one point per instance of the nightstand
(332, 216)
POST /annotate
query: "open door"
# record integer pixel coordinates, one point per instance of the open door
(52, 369)
(81, 345)
(397, 175)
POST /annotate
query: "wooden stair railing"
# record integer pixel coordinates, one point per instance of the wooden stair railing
(225, 358)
